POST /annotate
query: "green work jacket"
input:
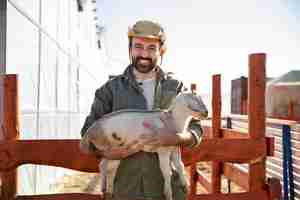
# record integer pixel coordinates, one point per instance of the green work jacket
(139, 176)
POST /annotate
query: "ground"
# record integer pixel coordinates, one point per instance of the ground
(89, 182)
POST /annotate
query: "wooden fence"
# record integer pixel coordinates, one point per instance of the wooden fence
(231, 148)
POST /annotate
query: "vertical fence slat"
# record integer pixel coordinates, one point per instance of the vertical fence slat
(9, 129)
(216, 126)
(256, 113)
(193, 181)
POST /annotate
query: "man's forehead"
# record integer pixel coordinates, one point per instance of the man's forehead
(145, 40)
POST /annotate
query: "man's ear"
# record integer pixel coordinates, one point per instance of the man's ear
(162, 50)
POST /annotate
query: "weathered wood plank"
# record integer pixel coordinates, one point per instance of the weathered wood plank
(69, 196)
(261, 195)
(256, 113)
(237, 150)
(55, 153)
(236, 134)
(9, 129)
(232, 133)
(59, 153)
(216, 131)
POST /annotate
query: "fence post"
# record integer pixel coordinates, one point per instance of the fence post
(256, 114)
(9, 130)
(291, 111)
(216, 127)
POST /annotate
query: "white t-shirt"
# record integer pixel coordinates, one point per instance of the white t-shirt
(148, 86)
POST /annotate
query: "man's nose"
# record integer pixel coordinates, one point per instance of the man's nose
(145, 53)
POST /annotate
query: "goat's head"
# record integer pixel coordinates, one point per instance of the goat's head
(190, 104)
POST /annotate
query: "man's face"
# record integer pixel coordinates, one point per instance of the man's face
(145, 54)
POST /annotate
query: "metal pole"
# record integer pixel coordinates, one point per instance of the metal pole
(69, 70)
(288, 175)
(3, 29)
(38, 91)
(285, 163)
(290, 165)
(229, 125)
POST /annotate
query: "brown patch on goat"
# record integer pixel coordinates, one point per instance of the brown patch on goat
(115, 136)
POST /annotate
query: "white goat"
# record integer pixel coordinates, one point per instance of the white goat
(125, 126)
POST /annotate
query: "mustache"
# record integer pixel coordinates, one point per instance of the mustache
(143, 58)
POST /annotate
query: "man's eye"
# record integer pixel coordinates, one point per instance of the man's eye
(152, 48)
(138, 47)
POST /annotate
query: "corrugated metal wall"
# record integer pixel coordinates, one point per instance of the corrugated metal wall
(275, 164)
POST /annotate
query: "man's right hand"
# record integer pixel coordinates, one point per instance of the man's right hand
(118, 153)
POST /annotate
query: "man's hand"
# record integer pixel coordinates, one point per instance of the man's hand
(118, 153)
(165, 136)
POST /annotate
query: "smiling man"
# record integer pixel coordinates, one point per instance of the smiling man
(143, 85)
(144, 52)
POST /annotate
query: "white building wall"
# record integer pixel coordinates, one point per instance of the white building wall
(53, 101)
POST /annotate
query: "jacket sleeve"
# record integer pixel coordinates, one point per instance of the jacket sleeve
(196, 130)
(101, 105)
(195, 125)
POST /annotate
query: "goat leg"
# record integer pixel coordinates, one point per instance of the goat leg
(164, 162)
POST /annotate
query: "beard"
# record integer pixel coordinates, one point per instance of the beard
(144, 65)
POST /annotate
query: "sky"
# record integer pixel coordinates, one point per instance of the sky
(206, 37)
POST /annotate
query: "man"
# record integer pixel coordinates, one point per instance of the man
(143, 85)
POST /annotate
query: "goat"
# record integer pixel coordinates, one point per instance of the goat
(125, 126)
